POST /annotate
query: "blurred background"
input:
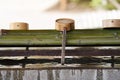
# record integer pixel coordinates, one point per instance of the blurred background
(41, 14)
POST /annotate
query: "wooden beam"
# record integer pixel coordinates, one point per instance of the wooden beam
(77, 52)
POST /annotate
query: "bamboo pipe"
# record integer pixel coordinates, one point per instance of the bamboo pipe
(19, 26)
(111, 23)
(53, 37)
(64, 23)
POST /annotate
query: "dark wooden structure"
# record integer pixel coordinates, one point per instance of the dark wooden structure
(52, 38)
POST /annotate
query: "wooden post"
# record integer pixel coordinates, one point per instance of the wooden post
(112, 61)
(1, 32)
(64, 25)
(63, 4)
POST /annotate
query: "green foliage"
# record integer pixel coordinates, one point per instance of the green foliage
(76, 1)
(109, 7)
(98, 3)
(80, 1)
(118, 1)
(95, 3)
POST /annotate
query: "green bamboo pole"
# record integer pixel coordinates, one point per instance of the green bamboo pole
(53, 37)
